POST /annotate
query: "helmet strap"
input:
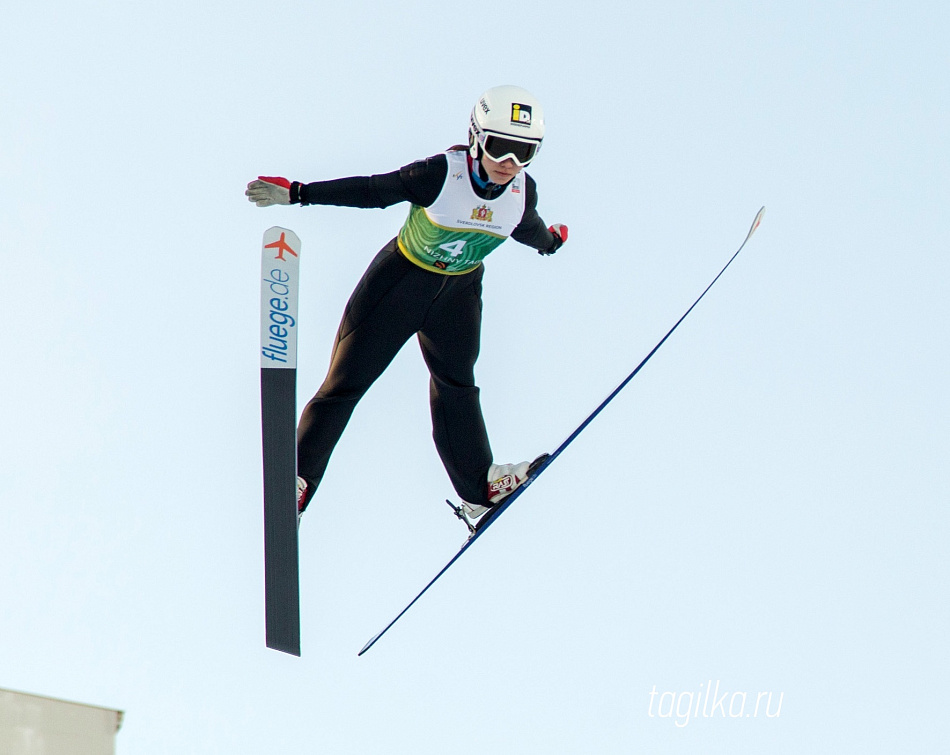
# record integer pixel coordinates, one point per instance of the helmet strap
(478, 171)
(473, 145)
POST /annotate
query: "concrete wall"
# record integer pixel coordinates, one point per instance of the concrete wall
(34, 725)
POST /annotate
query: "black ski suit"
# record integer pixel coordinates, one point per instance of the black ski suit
(396, 299)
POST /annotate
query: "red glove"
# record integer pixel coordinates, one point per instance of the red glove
(559, 230)
(560, 236)
(266, 191)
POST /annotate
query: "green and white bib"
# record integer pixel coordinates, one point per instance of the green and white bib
(457, 231)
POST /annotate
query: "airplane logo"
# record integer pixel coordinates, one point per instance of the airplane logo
(282, 246)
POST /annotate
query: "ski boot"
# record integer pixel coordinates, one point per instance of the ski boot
(301, 498)
(503, 480)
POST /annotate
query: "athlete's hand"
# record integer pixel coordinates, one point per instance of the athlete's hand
(267, 191)
(560, 236)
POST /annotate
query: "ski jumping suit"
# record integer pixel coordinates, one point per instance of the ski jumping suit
(425, 282)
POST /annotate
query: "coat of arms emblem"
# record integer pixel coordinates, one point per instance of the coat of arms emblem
(482, 213)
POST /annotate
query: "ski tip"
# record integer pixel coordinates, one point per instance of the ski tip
(276, 230)
(282, 240)
(758, 220)
(755, 224)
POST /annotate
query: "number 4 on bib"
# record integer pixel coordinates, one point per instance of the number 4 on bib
(454, 248)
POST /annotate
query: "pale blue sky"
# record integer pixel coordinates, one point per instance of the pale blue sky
(765, 506)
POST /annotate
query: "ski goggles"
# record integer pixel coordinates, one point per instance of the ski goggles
(501, 148)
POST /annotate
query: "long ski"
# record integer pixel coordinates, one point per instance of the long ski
(544, 463)
(280, 257)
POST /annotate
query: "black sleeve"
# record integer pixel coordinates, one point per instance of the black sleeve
(532, 230)
(419, 182)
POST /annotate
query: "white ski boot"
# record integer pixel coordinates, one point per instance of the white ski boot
(503, 480)
(301, 498)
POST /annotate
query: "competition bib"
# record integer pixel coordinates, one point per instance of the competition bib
(457, 231)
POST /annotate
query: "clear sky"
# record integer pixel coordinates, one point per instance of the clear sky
(765, 508)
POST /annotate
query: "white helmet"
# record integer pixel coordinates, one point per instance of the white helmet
(507, 121)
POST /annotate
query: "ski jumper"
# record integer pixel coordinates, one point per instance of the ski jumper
(425, 282)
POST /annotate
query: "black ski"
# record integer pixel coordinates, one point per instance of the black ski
(279, 278)
(544, 462)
